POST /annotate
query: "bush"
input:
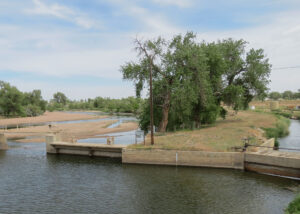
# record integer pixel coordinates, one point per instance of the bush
(281, 128)
(33, 110)
(294, 206)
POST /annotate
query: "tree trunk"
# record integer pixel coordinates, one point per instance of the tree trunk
(166, 107)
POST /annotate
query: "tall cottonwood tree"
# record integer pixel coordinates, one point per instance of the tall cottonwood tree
(191, 80)
(175, 61)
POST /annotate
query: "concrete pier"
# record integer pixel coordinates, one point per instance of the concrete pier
(100, 150)
(3, 143)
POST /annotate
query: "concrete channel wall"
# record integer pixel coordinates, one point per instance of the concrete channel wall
(274, 162)
(53, 146)
(233, 160)
(265, 160)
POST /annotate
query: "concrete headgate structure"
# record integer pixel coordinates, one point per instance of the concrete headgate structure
(263, 160)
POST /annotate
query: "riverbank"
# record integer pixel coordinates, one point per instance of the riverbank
(222, 136)
(285, 108)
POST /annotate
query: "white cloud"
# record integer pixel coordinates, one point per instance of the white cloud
(177, 3)
(61, 12)
(100, 63)
(279, 37)
(66, 52)
(151, 22)
(73, 91)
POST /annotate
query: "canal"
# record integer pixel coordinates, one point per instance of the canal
(33, 182)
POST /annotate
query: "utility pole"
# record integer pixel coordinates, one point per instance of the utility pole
(151, 103)
(143, 49)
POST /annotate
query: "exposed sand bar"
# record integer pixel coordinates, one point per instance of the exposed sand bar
(69, 132)
(48, 117)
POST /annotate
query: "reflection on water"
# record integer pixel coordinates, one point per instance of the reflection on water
(32, 182)
(292, 141)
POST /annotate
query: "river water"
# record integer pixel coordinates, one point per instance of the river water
(33, 182)
(292, 141)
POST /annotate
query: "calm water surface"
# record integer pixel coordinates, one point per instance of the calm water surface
(293, 139)
(33, 182)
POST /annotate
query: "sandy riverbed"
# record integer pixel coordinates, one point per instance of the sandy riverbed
(48, 117)
(69, 132)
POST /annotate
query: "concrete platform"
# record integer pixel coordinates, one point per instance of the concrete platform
(87, 149)
(274, 162)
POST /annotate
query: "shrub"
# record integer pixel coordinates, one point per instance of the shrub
(281, 128)
(294, 206)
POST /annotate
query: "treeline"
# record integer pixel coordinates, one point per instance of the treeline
(125, 105)
(193, 80)
(286, 95)
(14, 103)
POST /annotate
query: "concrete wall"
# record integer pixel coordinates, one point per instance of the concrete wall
(50, 139)
(3, 143)
(88, 152)
(267, 143)
(233, 160)
(277, 163)
(53, 146)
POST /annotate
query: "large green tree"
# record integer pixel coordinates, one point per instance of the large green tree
(10, 100)
(191, 80)
(275, 95)
(60, 98)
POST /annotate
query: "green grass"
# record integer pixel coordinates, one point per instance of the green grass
(294, 206)
(222, 136)
(281, 128)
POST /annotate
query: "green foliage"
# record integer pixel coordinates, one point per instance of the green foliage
(60, 98)
(281, 129)
(276, 143)
(191, 80)
(274, 95)
(15, 103)
(125, 105)
(294, 206)
(233, 96)
(10, 100)
(287, 95)
(33, 110)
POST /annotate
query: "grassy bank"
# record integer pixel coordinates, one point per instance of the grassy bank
(288, 114)
(285, 108)
(294, 206)
(224, 135)
(281, 128)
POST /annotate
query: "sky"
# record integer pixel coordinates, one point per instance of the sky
(78, 46)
